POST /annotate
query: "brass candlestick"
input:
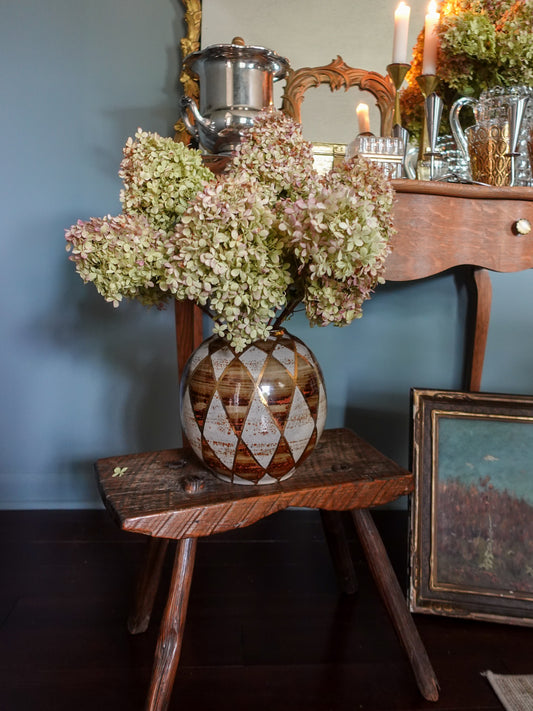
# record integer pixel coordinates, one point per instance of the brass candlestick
(427, 83)
(397, 72)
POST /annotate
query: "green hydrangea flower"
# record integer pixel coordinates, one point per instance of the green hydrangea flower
(160, 176)
(226, 256)
(121, 256)
(275, 153)
(339, 236)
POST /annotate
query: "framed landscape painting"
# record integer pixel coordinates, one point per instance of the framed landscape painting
(471, 547)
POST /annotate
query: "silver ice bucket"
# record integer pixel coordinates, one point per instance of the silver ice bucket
(236, 83)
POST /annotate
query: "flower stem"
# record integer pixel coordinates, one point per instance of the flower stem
(287, 311)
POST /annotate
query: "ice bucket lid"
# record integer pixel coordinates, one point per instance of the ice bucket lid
(269, 60)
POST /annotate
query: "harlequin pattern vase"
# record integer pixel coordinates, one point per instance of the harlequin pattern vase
(252, 417)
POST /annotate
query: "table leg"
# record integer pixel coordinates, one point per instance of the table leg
(483, 301)
(171, 633)
(391, 593)
(339, 550)
(147, 585)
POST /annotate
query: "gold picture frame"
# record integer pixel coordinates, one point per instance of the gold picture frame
(471, 548)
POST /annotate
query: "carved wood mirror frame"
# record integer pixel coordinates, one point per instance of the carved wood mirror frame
(337, 74)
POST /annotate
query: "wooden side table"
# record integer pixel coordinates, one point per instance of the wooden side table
(440, 226)
(168, 495)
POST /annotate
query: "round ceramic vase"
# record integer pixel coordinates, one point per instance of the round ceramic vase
(252, 417)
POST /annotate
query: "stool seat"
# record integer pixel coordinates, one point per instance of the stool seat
(170, 495)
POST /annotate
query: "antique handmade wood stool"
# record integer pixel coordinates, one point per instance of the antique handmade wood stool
(169, 495)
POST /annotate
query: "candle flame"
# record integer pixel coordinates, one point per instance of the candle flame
(432, 7)
(402, 10)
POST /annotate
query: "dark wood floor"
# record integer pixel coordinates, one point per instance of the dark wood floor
(266, 629)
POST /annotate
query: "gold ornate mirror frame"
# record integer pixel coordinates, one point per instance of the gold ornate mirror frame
(337, 74)
(189, 43)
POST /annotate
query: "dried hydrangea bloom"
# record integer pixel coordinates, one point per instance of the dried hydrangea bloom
(122, 256)
(226, 256)
(160, 177)
(247, 247)
(330, 301)
(339, 236)
(274, 152)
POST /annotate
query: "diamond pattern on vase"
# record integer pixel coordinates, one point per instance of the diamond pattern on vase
(267, 479)
(246, 415)
(260, 433)
(304, 351)
(285, 356)
(220, 360)
(218, 432)
(247, 465)
(322, 410)
(277, 390)
(211, 461)
(236, 479)
(198, 355)
(307, 382)
(283, 456)
(254, 359)
(266, 346)
(299, 426)
(236, 389)
(194, 435)
(311, 444)
(201, 390)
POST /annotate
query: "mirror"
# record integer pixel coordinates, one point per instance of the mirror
(309, 33)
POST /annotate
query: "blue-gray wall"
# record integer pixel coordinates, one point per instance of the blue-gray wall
(81, 380)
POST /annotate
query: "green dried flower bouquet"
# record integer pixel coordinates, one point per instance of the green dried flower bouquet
(247, 246)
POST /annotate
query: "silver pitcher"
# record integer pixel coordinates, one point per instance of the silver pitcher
(236, 83)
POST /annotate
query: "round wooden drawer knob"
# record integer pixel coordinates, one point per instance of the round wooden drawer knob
(522, 227)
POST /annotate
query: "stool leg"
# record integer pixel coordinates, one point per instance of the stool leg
(147, 585)
(171, 633)
(339, 550)
(392, 596)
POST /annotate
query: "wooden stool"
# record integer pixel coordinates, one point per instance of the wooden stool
(169, 495)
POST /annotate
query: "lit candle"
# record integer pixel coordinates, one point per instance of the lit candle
(401, 31)
(429, 61)
(363, 118)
